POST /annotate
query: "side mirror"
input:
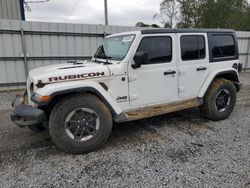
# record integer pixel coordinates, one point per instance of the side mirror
(140, 58)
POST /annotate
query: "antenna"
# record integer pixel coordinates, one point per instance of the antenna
(26, 4)
(106, 12)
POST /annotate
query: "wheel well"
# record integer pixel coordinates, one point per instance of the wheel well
(49, 107)
(231, 76)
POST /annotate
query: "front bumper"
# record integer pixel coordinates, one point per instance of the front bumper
(24, 115)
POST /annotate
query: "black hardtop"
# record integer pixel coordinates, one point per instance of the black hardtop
(162, 30)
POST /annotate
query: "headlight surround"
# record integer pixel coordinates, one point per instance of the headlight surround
(31, 88)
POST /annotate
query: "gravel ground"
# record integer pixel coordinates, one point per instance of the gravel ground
(181, 149)
(6, 99)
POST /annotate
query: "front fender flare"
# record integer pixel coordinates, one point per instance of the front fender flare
(56, 89)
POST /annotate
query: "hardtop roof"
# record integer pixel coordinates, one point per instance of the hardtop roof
(155, 31)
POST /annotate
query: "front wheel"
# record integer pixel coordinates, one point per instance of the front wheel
(219, 100)
(80, 123)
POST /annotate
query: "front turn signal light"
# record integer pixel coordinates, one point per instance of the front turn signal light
(40, 98)
(44, 98)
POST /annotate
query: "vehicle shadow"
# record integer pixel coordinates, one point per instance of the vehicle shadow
(186, 121)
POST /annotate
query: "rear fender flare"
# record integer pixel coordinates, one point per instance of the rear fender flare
(215, 74)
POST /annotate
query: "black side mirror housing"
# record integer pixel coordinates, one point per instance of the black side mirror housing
(140, 58)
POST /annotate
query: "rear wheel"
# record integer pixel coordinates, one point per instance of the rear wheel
(219, 100)
(80, 123)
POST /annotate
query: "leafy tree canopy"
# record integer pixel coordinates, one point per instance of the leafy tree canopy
(141, 24)
(234, 14)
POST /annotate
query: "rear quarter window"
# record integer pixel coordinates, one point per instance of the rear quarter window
(222, 47)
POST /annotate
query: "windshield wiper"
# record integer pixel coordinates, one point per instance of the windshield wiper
(98, 61)
(101, 54)
(103, 57)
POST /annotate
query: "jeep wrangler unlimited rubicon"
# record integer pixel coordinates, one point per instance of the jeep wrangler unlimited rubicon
(132, 76)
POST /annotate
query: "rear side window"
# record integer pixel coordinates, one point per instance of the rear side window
(193, 47)
(159, 49)
(222, 46)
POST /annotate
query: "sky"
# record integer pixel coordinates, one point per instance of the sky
(121, 12)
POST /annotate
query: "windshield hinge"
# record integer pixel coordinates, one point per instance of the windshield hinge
(132, 78)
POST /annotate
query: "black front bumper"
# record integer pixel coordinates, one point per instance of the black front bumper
(24, 115)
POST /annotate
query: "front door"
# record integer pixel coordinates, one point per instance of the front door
(193, 63)
(156, 81)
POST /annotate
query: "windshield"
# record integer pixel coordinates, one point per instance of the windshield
(115, 48)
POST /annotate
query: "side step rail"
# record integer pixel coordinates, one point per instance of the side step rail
(158, 110)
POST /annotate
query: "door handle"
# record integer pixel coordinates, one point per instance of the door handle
(169, 72)
(201, 68)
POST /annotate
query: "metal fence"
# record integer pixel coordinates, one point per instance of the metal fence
(11, 9)
(27, 45)
(244, 48)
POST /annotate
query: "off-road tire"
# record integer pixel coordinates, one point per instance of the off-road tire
(66, 106)
(208, 108)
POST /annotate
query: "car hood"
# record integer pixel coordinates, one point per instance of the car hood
(69, 72)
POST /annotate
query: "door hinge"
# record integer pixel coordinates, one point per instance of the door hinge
(133, 97)
(181, 89)
(132, 78)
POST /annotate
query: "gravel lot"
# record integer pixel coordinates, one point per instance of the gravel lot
(176, 150)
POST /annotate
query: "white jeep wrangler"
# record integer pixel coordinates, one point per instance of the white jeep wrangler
(132, 76)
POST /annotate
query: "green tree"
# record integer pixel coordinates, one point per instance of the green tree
(233, 14)
(190, 11)
(141, 24)
(155, 26)
(224, 14)
(245, 22)
(169, 12)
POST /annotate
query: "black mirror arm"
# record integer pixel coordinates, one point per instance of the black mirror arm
(135, 66)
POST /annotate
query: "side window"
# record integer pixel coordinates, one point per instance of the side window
(222, 46)
(192, 47)
(159, 49)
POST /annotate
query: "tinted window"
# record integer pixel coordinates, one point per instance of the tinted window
(222, 46)
(159, 49)
(192, 47)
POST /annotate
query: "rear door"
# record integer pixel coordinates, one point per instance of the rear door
(193, 63)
